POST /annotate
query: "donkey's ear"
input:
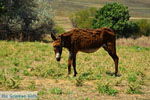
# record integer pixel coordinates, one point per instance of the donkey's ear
(53, 37)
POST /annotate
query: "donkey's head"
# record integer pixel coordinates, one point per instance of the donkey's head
(57, 44)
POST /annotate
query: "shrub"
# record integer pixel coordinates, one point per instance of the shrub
(115, 16)
(144, 26)
(83, 18)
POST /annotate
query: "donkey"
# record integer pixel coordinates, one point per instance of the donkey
(85, 40)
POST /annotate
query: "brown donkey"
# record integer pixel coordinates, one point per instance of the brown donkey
(85, 40)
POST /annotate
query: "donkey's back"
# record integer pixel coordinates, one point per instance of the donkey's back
(90, 40)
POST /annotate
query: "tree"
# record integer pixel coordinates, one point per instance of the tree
(26, 16)
(44, 12)
(115, 16)
(2, 7)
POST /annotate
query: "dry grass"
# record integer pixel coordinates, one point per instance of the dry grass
(141, 41)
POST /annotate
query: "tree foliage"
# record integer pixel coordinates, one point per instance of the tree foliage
(115, 16)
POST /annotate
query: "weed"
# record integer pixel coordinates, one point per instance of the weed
(134, 89)
(122, 69)
(42, 92)
(32, 85)
(14, 70)
(9, 81)
(86, 75)
(79, 81)
(132, 78)
(26, 73)
(98, 76)
(87, 99)
(12, 83)
(15, 61)
(106, 89)
(28, 66)
(56, 91)
(48, 72)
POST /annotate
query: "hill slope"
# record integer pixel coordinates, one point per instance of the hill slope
(138, 8)
(63, 8)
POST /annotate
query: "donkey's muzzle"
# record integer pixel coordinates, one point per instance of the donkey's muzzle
(58, 59)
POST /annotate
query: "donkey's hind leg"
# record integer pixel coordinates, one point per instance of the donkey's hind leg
(110, 47)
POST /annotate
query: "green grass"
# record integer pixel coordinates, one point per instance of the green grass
(32, 66)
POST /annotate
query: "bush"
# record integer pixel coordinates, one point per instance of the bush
(144, 26)
(83, 18)
(115, 16)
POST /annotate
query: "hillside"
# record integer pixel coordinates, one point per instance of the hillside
(138, 8)
(63, 8)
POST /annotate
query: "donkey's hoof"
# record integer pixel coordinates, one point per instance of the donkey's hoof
(117, 75)
(113, 74)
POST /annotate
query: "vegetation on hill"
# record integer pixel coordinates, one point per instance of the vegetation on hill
(83, 18)
(144, 26)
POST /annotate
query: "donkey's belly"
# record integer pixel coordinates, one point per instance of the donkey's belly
(89, 50)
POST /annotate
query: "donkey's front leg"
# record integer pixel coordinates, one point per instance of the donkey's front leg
(74, 64)
(70, 63)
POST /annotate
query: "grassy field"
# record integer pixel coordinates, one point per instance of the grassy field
(31, 66)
